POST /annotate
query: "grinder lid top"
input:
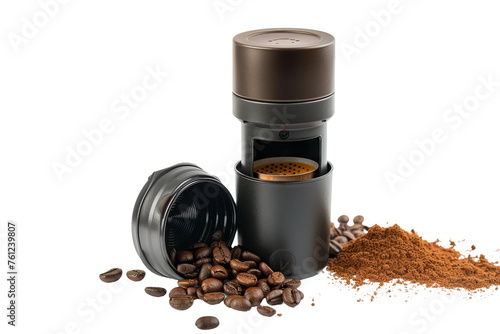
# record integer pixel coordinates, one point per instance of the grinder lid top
(283, 65)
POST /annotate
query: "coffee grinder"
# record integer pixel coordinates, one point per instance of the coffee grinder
(283, 94)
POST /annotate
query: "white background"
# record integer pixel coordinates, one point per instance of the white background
(68, 75)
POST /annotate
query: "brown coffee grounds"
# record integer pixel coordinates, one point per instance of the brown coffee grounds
(385, 254)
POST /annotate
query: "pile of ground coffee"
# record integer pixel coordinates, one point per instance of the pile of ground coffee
(385, 254)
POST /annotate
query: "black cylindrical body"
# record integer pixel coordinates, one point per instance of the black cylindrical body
(284, 94)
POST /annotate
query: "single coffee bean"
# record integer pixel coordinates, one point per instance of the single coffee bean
(181, 303)
(207, 322)
(291, 283)
(191, 291)
(254, 295)
(236, 252)
(199, 293)
(266, 311)
(265, 269)
(203, 261)
(178, 291)
(341, 239)
(249, 256)
(219, 272)
(155, 292)
(173, 255)
(343, 219)
(275, 279)
(356, 227)
(112, 275)
(136, 275)
(185, 257)
(188, 270)
(218, 235)
(234, 273)
(197, 245)
(252, 264)
(238, 265)
(233, 288)
(212, 285)
(240, 303)
(202, 253)
(213, 298)
(262, 284)
(335, 247)
(292, 297)
(275, 297)
(216, 243)
(349, 235)
(256, 272)
(205, 272)
(246, 279)
(186, 283)
(229, 299)
(221, 253)
(357, 233)
(358, 220)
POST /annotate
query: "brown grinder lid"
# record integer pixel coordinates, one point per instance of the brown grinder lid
(283, 65)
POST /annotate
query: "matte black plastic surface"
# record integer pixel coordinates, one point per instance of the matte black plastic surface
(286, 223)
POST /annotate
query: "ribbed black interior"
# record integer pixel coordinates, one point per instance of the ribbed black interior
(196, 214)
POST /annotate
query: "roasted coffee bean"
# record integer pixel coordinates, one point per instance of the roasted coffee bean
(199, 293)
(335, 247)
(356, 227)
(219, 272)
(172, 254)
(240, 303)
(178, 291)
(185, 257)
(252, 264)
(343, 219)
(136, 275)
(202, 253)
(234, 273)
(246, 279)
(191, 291)
(213, 298)
(348, 235)
(218, 235)
(239, 266)
(155, 292)
(292, 297)
(188, 270)
(203, 261)
(291, 283)
(236, 252)
(186, 283)
(265, 269)
(207, 322)
(198, 245)
(256, 272)
(358, 220)
(233, 288)
(205, 272)
(275, 297)
(181, 302)
(254, 295)
(221, 253)
(262, 284)
(341, 239)
(212, 285)
(275, 279)
(357, 233)
(266, 311)
(217, 243)
(249, 256)
(112, 275)
(229, 299)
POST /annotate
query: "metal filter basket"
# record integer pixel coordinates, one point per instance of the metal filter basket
(285, 169)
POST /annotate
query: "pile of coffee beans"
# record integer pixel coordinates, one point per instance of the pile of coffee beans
(216, 273)
(345, 233)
